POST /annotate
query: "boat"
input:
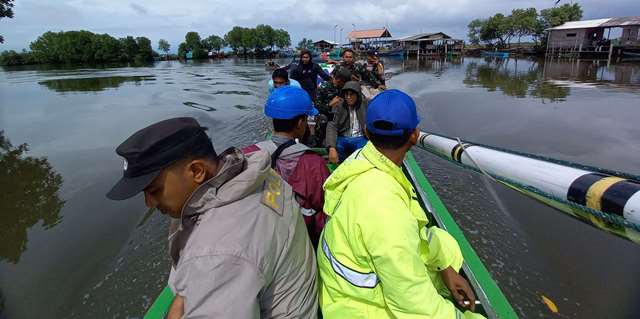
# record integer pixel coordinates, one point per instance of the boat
(606, 199)
(392, 52)
(491, 302)
(498, 54)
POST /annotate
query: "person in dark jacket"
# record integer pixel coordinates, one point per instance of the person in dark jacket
(307, 73)
(345, 133)
(296, 163)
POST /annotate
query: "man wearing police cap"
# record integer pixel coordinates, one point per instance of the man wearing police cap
(241, 250)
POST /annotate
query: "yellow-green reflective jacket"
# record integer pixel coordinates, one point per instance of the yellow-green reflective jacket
(376, 257)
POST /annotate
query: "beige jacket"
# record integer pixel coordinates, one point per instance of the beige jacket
(242, 250)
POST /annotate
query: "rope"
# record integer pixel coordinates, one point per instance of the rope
(615, 220)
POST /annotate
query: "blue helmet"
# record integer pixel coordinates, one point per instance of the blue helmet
(396, 109)
(288, 102)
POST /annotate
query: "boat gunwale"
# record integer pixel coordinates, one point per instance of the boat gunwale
(492, 299)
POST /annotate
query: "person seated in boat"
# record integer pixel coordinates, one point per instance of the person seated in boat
(242, 250)
(329, 97)
(345, 132)
(375, 71)
(349, 61)
(298, 165)
(377, 258)
(307, 73)
(279, 78)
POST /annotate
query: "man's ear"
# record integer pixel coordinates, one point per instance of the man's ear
(415, 135)
(198, 171)
(302, 122)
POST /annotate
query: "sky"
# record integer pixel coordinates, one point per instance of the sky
(315, 19)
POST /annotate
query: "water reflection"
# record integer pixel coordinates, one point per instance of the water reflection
(92, 84)
(29, 188)
(515, 80)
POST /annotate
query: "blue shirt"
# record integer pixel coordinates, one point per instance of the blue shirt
(292, 82)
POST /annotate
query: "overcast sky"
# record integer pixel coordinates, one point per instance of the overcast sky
(310, 18)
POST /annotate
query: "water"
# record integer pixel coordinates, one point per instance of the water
(68, 252)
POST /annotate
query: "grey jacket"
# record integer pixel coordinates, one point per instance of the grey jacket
(242, 250)
(341, 123)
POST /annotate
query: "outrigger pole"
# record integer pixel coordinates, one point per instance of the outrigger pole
(608, 200)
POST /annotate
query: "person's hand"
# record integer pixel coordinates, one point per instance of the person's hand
(459, 288)
(176, 310)
(333, 155)
(335, 101)
(355, 78)
(382, 87)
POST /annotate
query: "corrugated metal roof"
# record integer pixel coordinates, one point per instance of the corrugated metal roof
(327, 41)
(584, 24)
(622, 21)
(368, 34)
(426, 36)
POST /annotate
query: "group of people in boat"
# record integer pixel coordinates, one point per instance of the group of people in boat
(266, 231)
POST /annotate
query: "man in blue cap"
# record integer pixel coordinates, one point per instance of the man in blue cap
(297, 164)
(377, 258)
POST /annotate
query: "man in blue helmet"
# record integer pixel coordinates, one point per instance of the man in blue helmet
(298, 165)
(377, 258)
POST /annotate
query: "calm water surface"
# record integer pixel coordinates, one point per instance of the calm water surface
(68, 252)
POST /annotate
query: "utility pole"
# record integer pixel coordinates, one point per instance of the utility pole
(335, 27)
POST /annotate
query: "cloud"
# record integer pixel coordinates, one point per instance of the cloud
(139, 9)
(310, 19)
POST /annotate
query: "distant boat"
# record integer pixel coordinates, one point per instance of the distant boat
(391, 52)
(497, 54)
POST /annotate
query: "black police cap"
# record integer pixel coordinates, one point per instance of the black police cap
(153, 148)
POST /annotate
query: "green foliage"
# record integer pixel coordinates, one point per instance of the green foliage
(164, 46)
(81, 47)
(6, 11)
(556, 16)
(256, 39)
(282, 38)
(29, 188)
(265, 36)
(305, 44)
(213, 43)
(192, 42)
(145, 52)
(16, 58)
(500, 29)
(233, 38)
(475, 27)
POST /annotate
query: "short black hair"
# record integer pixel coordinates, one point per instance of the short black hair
(280, 73)
(347, 50)
(388, 142)
(341, 73)
(280, 125)
(305, 51)
(372, 53)
(202, 148)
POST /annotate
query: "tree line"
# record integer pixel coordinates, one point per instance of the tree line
(87, 47)
(243, 41)
(81, 47)
(499, 30)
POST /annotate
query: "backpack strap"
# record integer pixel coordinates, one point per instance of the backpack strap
(279, 150)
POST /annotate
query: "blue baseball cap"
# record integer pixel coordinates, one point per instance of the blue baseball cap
(288, 102)
(392, 113)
